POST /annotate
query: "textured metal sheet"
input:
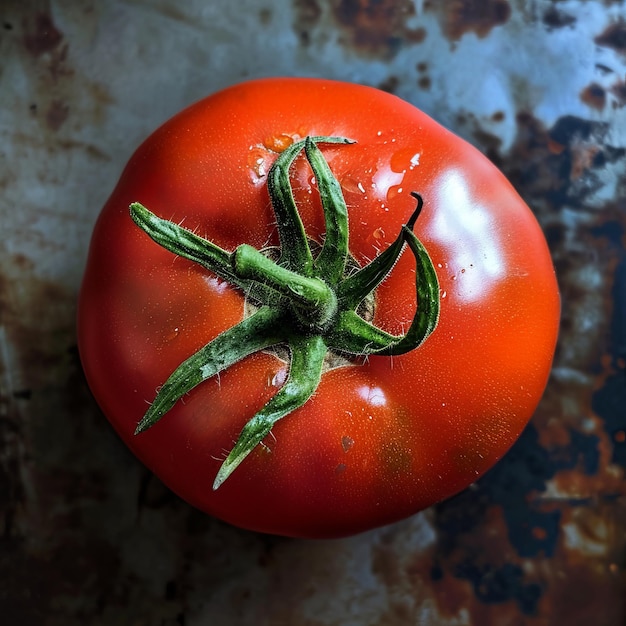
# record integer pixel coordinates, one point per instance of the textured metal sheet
(88, 536)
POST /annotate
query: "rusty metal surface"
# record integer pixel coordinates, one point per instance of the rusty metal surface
(88, 536)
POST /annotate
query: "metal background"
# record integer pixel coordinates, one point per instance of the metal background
(88, 536)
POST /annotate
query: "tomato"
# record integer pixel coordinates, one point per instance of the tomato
(378, 437)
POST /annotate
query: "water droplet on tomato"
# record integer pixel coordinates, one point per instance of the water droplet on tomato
(404, 160)
(279, 378)
(258, 163)
(393, 192)
(350, 185)
(278, 143)
(379, 234)
(173, 334)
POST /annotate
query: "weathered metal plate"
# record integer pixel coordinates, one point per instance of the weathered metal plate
(88, 536)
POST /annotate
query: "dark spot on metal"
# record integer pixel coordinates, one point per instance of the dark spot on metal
(581, 453)
(23, 394)
(555, 235)
(308, 14)
(595, 96)
(608, 154)
(611, 231)
(490, 143)
(568, 128)
(56, 114)
(619, 91)
(7, 26)
(171, 590)
(472, 16)
(609, 400)
(498, 116)
(416, 35)
(424, 82)
(533, 529)
(555, 18)
(390, 84)
(608, 403)
(42, 36)
(501, 584)
(265, 16)
(614, 37)
(561, 165)
(422, 66)
(604, 69)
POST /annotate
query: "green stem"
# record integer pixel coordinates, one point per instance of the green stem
(310, 298)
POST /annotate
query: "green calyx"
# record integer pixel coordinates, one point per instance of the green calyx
(309, 303)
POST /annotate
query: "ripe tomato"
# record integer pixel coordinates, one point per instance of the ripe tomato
(381, 436)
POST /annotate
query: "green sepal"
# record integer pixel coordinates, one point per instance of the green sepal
(353, 334)
(188, 245)
(353, 290)
(331, 261)
(426, 315)
(259, 331)
(305, 372)
(295, 253)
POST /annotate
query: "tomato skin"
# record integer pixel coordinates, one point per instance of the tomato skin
(378, 441)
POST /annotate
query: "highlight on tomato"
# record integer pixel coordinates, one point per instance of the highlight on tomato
(311, 310)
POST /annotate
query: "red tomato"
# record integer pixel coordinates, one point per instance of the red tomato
(382, 437)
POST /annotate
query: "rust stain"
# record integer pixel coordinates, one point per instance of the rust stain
(541, 157)
(57, 114)
(555, 18)
(480, 17)
(500, 548)
(373, 28)
(308, 15)
(372, 23)
(41, 36)
(614, 37)
(619, 92)
(54, 83)
(383, 27)
(594, 96)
